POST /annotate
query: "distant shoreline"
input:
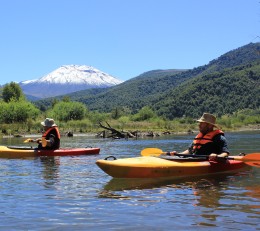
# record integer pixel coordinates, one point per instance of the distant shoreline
(249, 128)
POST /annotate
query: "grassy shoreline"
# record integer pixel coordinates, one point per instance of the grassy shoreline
(185, 130)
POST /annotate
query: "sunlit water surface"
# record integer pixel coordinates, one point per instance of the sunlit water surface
(72, 193)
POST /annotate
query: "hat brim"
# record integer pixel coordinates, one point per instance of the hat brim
(203, 121)
(44, 125)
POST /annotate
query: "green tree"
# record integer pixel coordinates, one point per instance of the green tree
(66, 99)
(145, 113)
(96, 117)
(115, 113)
(66, 111)
(17, 111)
(12, 91)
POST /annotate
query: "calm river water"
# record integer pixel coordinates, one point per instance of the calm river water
(72, 193)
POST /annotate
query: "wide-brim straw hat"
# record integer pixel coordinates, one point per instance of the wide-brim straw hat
(208, 118)
(48, 122)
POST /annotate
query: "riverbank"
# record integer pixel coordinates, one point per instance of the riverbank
(255, 127)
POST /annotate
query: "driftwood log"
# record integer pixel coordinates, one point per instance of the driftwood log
(114, 133)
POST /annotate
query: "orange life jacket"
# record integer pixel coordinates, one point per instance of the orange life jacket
(49, 130)
(201, 139)
(46, 135)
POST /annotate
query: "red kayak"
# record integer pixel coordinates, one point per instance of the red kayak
(22, 152)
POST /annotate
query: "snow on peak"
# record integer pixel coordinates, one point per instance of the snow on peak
(67, 79)
(77, 74)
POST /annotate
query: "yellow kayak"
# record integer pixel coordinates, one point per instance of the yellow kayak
(156, 167)
(25, 152)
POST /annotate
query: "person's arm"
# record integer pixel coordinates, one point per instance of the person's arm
(38, 140)
(50, 142)
(224, 152)
(44, 142)
(214, 156)
(186, 152)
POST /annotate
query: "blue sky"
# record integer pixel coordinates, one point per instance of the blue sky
(123, 38)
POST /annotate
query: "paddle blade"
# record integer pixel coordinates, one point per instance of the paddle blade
(44, 142)
(152, 152)
(252, 159)
(28, 140)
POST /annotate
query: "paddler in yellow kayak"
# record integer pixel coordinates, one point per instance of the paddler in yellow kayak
(51, 137)
(210, 140)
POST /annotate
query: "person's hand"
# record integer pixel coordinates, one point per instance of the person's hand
(172, 153)
(38, 140)
(213, 156)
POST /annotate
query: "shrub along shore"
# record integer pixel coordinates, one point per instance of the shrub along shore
(19, 117)
(142, 128)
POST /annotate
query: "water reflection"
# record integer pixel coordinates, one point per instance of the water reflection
(50, 171)
(207, 191)
(196, 182)
(253, 191)
(209, 196)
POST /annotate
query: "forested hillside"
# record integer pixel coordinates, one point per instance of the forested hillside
(225, 85)
(133, 94)
(220, 93)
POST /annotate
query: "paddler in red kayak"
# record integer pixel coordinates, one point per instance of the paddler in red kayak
(210, 140)
(51, 137)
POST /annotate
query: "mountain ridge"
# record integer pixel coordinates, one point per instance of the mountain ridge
(161, 89)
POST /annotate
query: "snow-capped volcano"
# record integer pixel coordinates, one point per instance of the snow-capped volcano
(68, 79)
